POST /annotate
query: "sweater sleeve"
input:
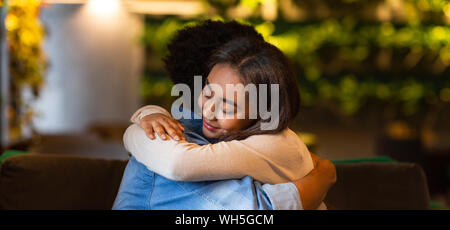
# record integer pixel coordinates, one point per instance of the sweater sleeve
(267, 158)
(147, 110)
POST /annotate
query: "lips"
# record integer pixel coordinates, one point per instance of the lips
(208, 126)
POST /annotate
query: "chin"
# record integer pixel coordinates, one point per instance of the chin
(209, 134)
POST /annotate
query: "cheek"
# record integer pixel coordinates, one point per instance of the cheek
(233, 125)
(200, 101)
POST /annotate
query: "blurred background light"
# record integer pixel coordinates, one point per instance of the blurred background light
(186, 8)
(104, 8)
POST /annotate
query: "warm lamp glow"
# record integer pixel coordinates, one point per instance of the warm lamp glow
(103, 8)
(172, 7)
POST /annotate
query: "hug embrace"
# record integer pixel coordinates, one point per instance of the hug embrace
(227, 150)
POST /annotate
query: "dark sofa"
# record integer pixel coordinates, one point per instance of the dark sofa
(40, 181)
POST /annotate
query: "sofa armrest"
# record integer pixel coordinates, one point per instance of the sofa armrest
(39, 181)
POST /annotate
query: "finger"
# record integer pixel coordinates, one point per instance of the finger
(170, 130)
(175, 125)
(179, 125)
(145, 124)
(159, 129)
(149, 132)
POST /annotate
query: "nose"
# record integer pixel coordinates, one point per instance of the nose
(208, 110)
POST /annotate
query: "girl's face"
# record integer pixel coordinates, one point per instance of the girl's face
(222, 120)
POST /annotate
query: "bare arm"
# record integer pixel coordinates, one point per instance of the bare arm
(313, 187)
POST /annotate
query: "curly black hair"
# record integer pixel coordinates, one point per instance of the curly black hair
(192, 46)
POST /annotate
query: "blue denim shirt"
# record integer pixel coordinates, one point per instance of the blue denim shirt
(142, 189)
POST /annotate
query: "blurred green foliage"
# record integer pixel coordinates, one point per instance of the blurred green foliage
(358, 53)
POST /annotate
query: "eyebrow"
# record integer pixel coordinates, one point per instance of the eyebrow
(207, 83)
(224, 99)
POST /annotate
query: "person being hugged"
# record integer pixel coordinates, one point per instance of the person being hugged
(210, 163)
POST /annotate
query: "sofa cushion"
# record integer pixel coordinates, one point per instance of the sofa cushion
(39, 181)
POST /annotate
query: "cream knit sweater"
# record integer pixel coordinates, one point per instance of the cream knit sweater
(268, 158)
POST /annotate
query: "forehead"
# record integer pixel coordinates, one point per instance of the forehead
(222, 74)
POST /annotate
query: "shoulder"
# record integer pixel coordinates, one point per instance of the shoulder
(285, 135)
(286, 140)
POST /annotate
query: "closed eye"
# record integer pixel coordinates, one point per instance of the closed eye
(229, 112)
